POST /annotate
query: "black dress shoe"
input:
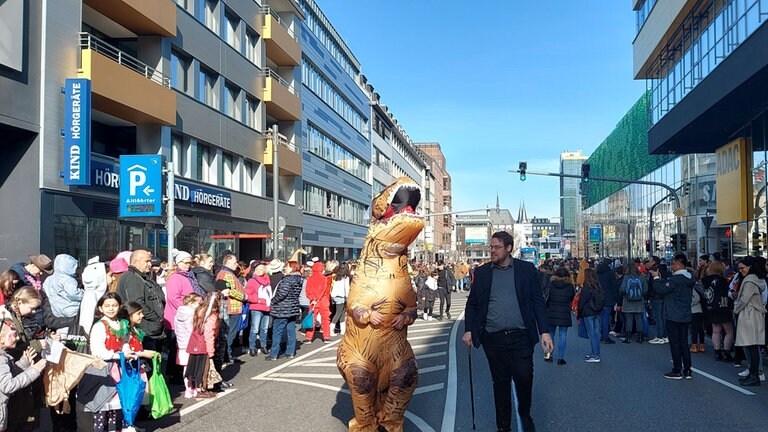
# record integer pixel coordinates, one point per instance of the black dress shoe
(252, 353)
(448, 315)
(560, 362)
(264, 351)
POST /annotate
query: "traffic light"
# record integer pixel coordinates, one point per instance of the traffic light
(656, 245)
(683, 242)
(757, 245)
(585, 172)
(647, 245)
(522, 168)
(596, 248)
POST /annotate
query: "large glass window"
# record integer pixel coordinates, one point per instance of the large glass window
(204, 163)
(642, 14)
(211, 18)
(228, 170)
(319, 27)
(180, 72)
(179, 150)
(329, 149)
(324, 203)
(320, 86)
(208, 93)
(231, 35)
(252, 47)
(252, 117)
(231, 103)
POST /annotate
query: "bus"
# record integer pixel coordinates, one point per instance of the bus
(530, 254)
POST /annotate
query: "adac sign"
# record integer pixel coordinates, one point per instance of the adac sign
(77, 131)
(734, 182)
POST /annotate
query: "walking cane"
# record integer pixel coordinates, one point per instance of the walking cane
(471, 388)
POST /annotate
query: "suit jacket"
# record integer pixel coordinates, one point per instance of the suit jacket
(529, 297)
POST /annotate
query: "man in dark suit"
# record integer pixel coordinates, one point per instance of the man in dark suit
(505, 313)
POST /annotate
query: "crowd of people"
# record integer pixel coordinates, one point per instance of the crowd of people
(199, 314)
(676, 303)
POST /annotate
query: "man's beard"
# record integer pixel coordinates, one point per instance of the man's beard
(501, 260)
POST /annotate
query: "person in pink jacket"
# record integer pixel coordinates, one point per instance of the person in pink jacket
(177, 286)
(201, 346)
(183, 323)
(259, 291)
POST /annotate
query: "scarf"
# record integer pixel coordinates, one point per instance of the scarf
(196, 288)
(262, 280)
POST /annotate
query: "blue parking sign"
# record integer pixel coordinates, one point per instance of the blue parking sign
(141, 186)
(595, 233)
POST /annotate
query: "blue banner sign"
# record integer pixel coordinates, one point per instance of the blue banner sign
(106, 176)
(595, 233)
(77, 131)
(141, 186)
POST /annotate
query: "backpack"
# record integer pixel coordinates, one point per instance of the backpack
(634, 288)
(597, 301)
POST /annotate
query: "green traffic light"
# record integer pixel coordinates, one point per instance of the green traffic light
(522, 177)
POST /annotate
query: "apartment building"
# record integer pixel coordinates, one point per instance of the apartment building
(199, 82)
(439, 228)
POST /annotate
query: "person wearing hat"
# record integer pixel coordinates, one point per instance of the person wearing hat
(117, 267)
(179, 284)
(275, 271)
(32, 274)
(62, 288)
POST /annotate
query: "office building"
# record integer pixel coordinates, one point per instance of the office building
(441, 227)
(570, 197)
(199, 82)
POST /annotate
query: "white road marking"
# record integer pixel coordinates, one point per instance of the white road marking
(431, 324)
(429, 388)
(723, 382)
(427, 337)
(449, 411)
(415, 347)
(203, 403)
(291, 362)
(431, 369)
(410, 332)
(430, 355)
(338, 376)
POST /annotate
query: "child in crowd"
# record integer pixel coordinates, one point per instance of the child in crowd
(430, 294)
(183, 323)
(14, 375)
(201, 345)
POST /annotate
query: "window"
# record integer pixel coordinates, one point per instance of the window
(228, 170)
(231, 104)
(252, 48)
(180, 72)
(208, 94)
(323, 203)
(231, 35)
(327, 148)
(313, 80)
(204, 161)
(252, 116)
(211, 20)
(250, 179)
(314, 199)
(319, 27)
(179, 155)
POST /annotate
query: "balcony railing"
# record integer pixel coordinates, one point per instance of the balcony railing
(283, 141)
(270, 73)
(88, 41)
(266, 10)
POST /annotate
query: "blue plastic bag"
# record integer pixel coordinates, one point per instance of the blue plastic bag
(244, 315)
(309, 321)
(130, 389)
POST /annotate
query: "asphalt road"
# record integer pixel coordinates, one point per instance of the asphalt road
(625, 392)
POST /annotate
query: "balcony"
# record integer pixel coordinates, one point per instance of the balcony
(289, 158)
(123, 86)
(143, 17)
(281, 97)
(282, 46)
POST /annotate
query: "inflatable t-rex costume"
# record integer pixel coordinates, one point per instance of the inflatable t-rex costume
(376, 360)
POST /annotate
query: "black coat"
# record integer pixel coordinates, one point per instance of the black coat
(585, 304)
(285, 302)
(607, 279)
(561, 295)
(139, 287)
(529, 298)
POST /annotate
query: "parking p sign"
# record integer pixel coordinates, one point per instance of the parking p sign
(141, 186)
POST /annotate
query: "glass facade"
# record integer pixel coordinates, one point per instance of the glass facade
(641, 14)
(708, 35)
(322, 29)
(320, 86)
(327, 148)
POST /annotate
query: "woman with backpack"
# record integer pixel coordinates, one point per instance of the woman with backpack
(591, 302)
(560, 293)
(719, 309)
(633, 289)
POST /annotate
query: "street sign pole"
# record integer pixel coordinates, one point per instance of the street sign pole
(170, 215)
(275, 187)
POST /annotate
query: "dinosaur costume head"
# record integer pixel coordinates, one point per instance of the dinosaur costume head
(394, 222)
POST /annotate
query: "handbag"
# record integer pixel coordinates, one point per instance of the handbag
(244, 315)
(582, 326)
(309, 321)
(160, 398)
(130, 389)
(213, 375)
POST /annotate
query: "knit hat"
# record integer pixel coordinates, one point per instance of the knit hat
(118, 265)
(180, 256)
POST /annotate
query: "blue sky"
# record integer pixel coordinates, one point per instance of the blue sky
(496, 82)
